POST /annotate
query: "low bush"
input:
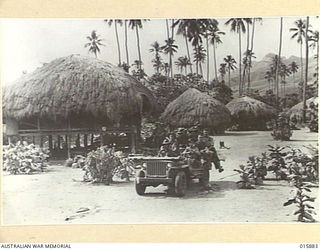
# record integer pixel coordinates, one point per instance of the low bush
(104, 163)
(24, 158)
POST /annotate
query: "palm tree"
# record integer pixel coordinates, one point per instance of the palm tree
(299, 34)
(116, 22)
(94, 43)
(215, 35)
(169, 49)
(182, 63)
(254, 20)
(183, 30)
(126, 40)
(199, 58)
(156, 49)
(278, 61)
(306, 74)
(269, 77)
(223, 71)
(248, 22)
(231, 65)
(314, 39)
(293, 66)
(137, 24)
(284, 71)
(237, 25)
(247, 62)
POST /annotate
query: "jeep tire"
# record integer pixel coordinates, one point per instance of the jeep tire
(180, 184)
(140, 188)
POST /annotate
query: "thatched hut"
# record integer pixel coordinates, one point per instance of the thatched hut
(250, 114)
(197, 108)
(76, 93)
(296, 112)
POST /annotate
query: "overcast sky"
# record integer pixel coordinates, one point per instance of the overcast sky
(27, 43)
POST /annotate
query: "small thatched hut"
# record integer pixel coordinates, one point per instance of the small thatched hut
(250, 114)
(76, 93)
(296, 112)
(194, 107)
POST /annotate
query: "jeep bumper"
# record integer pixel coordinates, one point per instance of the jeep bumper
(154, 180)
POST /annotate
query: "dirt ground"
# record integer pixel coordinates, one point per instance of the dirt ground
(58, 196)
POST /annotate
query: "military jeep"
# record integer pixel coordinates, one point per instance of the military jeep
(173, 172)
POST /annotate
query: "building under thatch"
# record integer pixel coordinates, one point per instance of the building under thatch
(296, 112)
(197, 108)
(250, 114)
(75, 93)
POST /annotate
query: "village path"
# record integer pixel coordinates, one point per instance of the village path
(54, 197)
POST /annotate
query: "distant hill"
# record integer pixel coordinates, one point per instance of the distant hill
(259, 68)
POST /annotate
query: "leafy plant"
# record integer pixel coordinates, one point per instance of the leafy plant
(103, 164)
(276, 162)
(301, 199)
(24, 158)
(246, 177)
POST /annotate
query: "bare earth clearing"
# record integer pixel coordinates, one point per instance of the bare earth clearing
(57, 194)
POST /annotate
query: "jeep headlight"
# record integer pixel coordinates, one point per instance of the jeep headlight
(144, 165)
(169, 165)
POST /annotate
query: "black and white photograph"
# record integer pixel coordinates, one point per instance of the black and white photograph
(160, 121)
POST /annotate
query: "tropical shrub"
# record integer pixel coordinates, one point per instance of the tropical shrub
(276, 161)
(302, 200)
(24, 158)
(253, 173)
(246, 177)
(103, 164)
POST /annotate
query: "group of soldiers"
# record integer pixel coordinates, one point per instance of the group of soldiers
(196, 147)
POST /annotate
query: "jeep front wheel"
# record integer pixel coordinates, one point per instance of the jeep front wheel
(180, 184)
(140, 188)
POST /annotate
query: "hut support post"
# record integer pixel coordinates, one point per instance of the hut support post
(133, 140)
(59, 142)
(50, 143)
(85, 140)
(40, 136)
(68, 140)
(92, 137)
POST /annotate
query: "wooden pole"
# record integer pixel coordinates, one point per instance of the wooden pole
(50, 143)
(304, 110)
(68, 139)
(85, 140)
(133, 140)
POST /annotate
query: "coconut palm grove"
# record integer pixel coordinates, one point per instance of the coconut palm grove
(142, 120)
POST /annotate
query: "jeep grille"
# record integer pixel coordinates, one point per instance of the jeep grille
(156, 168)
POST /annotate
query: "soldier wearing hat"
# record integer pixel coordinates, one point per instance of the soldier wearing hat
(182, 137)
(164, 149)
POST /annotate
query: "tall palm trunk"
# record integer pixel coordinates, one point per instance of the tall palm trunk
(168, 36)
(229, 75)
(240, 62)
(301, 62)
(250, 58)
(246, 65)
(278, 61)
(167, 25)
(138, 44)
(126, 41)
(118, 44)
(208, 60)
(201, 71)
(172, 36)
(306, 72)
(188, 52)
(215, 61)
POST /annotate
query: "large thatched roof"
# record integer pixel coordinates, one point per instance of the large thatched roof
(297, 110)
(76, 85)
(250, 113)
(194, 107)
